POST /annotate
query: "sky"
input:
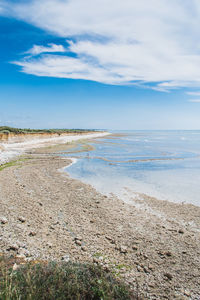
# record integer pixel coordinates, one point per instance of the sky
(104, 64)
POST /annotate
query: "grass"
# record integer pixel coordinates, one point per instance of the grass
(12, 163)
(7, 130)
(52, 281)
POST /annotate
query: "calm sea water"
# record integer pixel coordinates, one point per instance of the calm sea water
(162, 164)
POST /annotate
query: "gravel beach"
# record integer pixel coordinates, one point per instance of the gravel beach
(46, 215)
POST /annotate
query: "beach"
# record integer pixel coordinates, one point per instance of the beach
(47, 215)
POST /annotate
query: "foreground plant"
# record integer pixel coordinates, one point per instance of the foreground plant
(58, 281)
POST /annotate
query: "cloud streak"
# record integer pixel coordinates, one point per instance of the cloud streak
(36, 49)
(132, 42)
(194, 100)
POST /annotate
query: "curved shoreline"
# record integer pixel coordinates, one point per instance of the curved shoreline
(9, 151)
(67, 219)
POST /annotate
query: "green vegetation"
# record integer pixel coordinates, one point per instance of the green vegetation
(7, 130)
(12, 163)
(51, 281)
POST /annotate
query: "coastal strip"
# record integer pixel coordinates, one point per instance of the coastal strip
(11, 149)
(47, 215)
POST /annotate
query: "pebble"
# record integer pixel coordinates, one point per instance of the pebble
(180, 231)
(32, 233)
(168, 276)
(78, 237)
(22, 219)
(78, 242)
(15, 267)
(135, 247)
(4, 220)
(187, 293)
(168, 253)
(83, 248)
(65, 258)
(14, 247)
(123, 249)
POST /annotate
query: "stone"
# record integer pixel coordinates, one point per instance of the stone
(78, 242)
(65, 258)
(123, 249)
(95, 260)
(4, 220)
(187, 293)
(22, 219)
(15, 267)
(32, 233)
(168, 253)
(24, 252)
(13, 247)
(78, 237)
(180, 231)
(84, 248)
(135, 247)
(168, 276)
(49, 245)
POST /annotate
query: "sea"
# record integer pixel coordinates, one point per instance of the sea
(131, 164)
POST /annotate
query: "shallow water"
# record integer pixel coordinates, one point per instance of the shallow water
(162, 164)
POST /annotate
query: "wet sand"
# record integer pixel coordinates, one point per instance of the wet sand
(45, 214)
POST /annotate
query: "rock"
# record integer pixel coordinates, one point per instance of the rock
(92, 221)
(139, 268)
(180, 231)
(65, 258)
(78, 237)
(135, 247)
(13, 247)
(49, 245)
(123, 249)
(187, 293)
(22, 219)
(4, 220)
(78, 242)
(110, 239)
(168, 253)
(32, 233)
(151, 267)
(15, 267)
(84, 248)
(146, 270)
(24, 253)
(95, 260)
(168, 276)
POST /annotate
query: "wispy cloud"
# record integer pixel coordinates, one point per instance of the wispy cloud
(117, 42)
(36, 49)
(193, 93)
(194, 100)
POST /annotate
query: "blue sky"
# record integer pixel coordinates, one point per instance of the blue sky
(132, 65)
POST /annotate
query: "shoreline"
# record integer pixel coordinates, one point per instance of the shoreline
(51, 216)
(10, 150)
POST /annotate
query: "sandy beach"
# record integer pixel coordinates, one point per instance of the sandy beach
(45, 214)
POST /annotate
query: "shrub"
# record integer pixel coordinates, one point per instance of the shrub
(51, 281)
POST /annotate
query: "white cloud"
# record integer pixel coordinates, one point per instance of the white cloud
(194, 100)
(118, 42)
(36, 49)
(193, 93)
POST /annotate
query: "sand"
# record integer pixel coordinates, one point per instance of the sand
(10, 150)
(45, 214)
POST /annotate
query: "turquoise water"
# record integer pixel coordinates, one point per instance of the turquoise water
(162, 164)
